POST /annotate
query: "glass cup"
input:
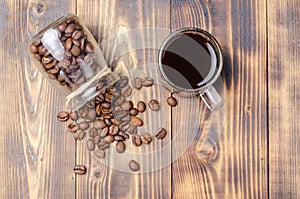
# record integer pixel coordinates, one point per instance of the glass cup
(67, 54)
(190, 60)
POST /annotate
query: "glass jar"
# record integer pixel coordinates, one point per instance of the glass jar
(67, 54)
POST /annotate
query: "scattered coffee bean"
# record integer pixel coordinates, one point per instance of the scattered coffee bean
(122, 82)
(132, 130)
(133, 112)
(137, 121)
(147, 81)
(91, 115)
(90, 145)
(146, 138)
(74, 116)
(137, 83)
(127, 105)
(83, 125)
(133, 165)
(141, 106)
(79, 135)
(103, 145)
(119, 138)
(124, 126)
(127, 91)
(109, 139)
(104, 132)
(121, 147)
(79, 169)
(99, 153)
(99, 124)
(124, 135)
(96, 139)
(62, 116)
(154, 105)
(160, 133)
(113, 130)
(136, 140)
(172, 101)
(92, 132)
(73, 127)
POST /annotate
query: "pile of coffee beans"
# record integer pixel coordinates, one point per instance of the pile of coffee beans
(110, 118)
(78, 64)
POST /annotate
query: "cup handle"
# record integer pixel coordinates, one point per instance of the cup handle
(211, 98)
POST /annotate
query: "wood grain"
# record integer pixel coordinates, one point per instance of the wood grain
(237, 167)
(108, 20)
(284, 98)
(36, 154)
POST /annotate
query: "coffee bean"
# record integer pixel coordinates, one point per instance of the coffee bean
(89, 48)
(99, 124)
(106, 105)
(119, 138)
(42, 50)
(92, 132)
(98, 153)
(172, 101)
(82, 112)
(104, 132)
(141, 106)
(96, 139)
(114, 122)
(127, 91)
(113, 130)
(107, 116)
(111, 89)
(108, 122)
(120, 114)
(91, 115)
(154, 105)
(68, 44)
(98, 110)
(132, 130)
(160, 133)
(90, 145)
(50, 65)
(136, 140)
(33, 49)
(127, 105)
(82, 42)
(99, 98)
(133, 165)
(137, 83)
(77, 34)
(124, 135)
(146, 138)
(121, 147)
(79, 169)
(133, 112)
(147, 81)
(62, 116)
(106, 111)
(37, 42)
(79, 135)
(137, 121)
(62, 26)
(108, 97)
(70, 28)
(74, 116)
(103, 145)
(126, 118)
(118, 101)
(73, 127)
(53, 71)
(75, 50)
(109, 139)
(123, 81)
(124, 126)
(83, 125)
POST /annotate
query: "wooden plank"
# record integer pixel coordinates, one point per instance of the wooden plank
(237, 166)
(284, 90)
(36, 155)
(107, 19)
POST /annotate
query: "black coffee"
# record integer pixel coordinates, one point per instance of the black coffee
(188, 60)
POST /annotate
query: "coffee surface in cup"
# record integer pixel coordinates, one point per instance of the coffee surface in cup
(188, 60)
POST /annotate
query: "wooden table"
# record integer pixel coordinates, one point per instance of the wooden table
(258, 153)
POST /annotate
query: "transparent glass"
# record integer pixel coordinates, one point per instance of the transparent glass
(207, 92)
(67, 54)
